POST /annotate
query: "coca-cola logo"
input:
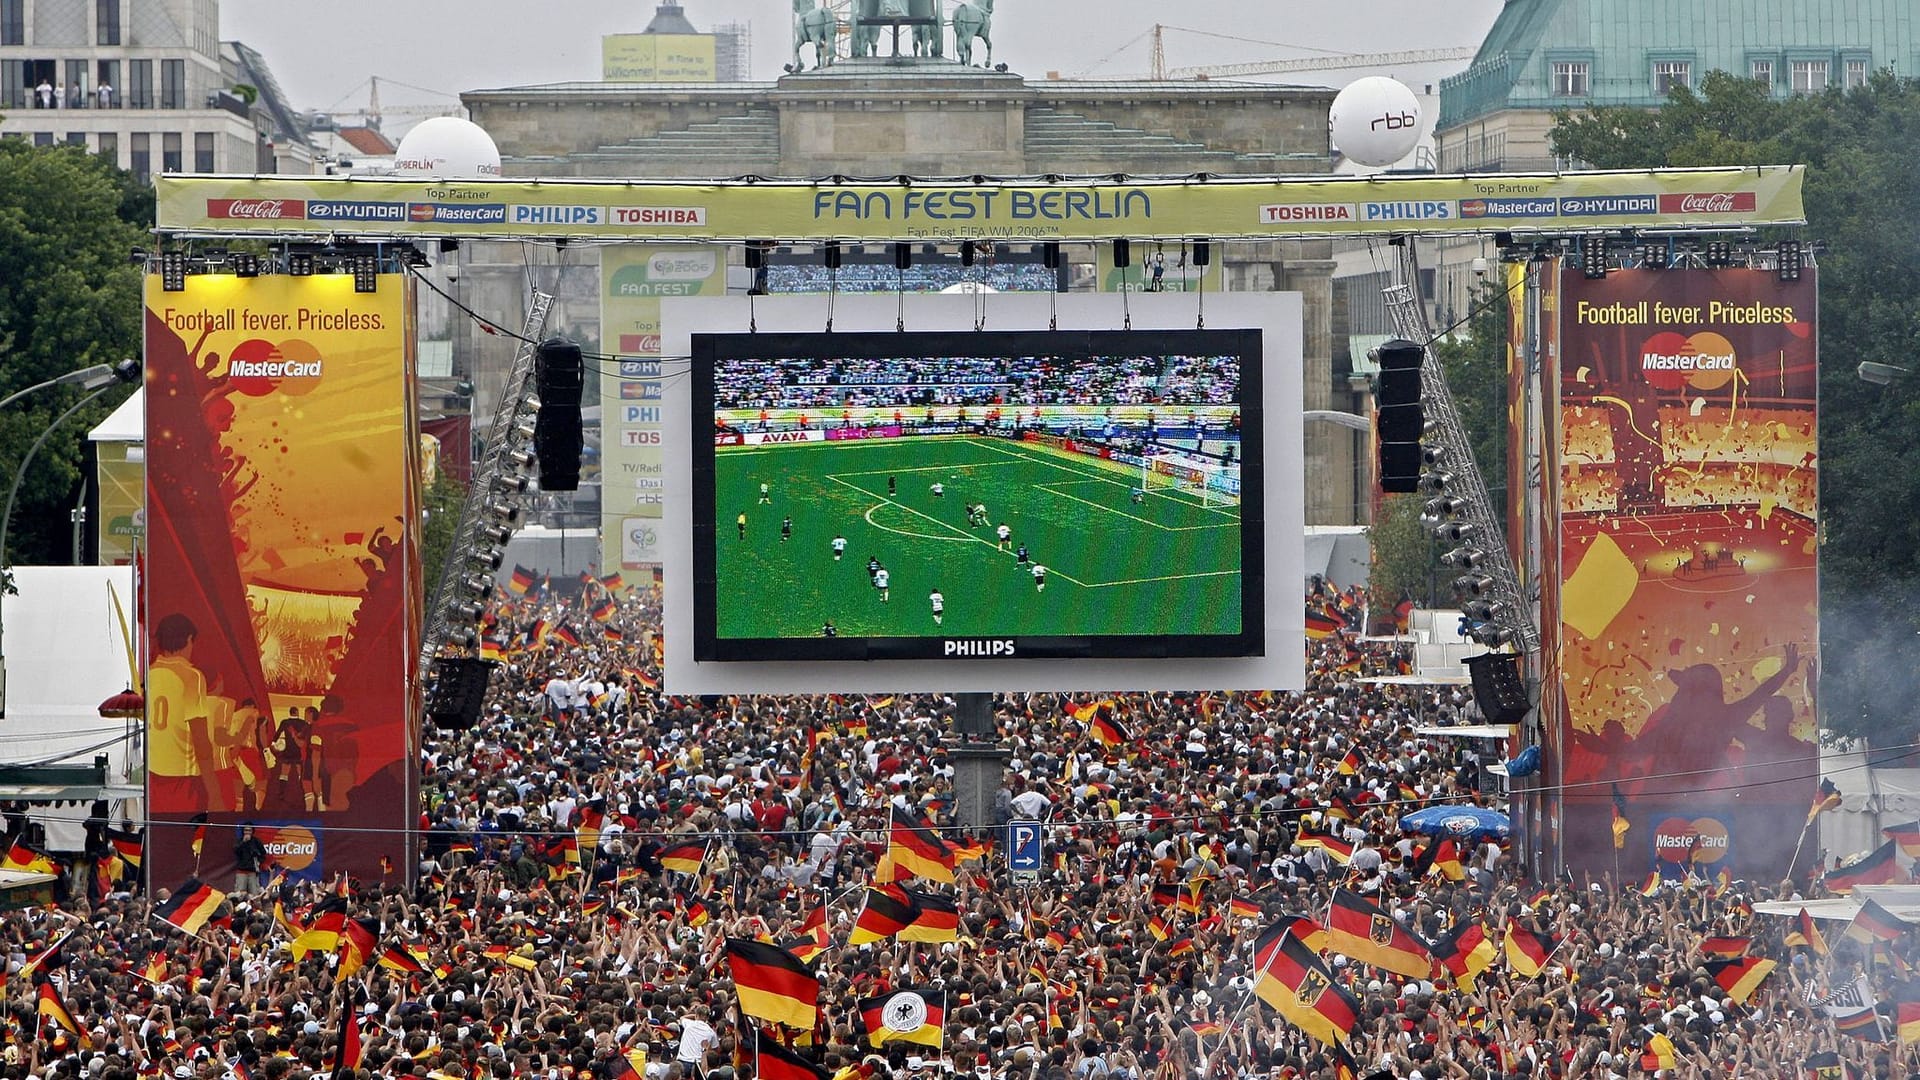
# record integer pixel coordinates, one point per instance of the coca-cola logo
(1710, 202)
(257, 209)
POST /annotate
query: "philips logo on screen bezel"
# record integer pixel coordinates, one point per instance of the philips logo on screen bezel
(1001, 647)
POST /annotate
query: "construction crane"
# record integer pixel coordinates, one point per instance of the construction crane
(1328, 60)
(374, 112)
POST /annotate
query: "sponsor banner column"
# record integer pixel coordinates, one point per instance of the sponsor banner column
(282, 594)
(1687, 611)
(633, 279)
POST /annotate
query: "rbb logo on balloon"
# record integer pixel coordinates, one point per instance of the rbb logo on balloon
(1701, 841)
(257, 368)
(1704, 361)
(292, 848)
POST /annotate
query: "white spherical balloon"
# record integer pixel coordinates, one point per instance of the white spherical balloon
(449, 148)
(1375, 121)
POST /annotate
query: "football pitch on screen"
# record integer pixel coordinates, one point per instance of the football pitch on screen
(1165, 564)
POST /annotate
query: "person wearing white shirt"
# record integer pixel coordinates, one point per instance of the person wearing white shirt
(1032, 804)
(696, 1036)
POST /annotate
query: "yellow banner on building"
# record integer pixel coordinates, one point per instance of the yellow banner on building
(1011, 210)
(675, 58)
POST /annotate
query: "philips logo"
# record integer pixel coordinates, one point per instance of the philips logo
(988, 647)
(1407, 211)
(643, 414)
(559, 215)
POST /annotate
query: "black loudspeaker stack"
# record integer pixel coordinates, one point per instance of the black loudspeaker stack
(456, 691)
(559, 374)
(1498, 687)
(1399, 420)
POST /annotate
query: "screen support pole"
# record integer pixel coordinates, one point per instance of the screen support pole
(979, 761)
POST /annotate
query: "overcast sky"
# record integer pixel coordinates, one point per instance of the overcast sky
(322, 53)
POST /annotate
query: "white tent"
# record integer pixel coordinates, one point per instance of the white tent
(128, 423)
(65, 654)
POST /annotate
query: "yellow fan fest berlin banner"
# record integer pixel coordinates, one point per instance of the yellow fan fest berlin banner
(282, 578)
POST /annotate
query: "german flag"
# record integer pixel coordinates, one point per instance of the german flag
(1322, 624)
(1296, 984)
(684, 858)
(521, 581)
(1806, 934)
(359, 938)
(1864, 1025)
(352, 1052)
(1465, 953)
(1244, 908)
(1180, 948)
(537, 633)
(1875, 923)
(1165, 894)
(888, 911)
(1527, 951)
(54, 1011)
(1740, 978)
(130, 846)
(1906, 1013)
(1108, 730)
(812, 942)
(971, 851)
(586, 835)
(771, 1061)
(1160, 926)
(47, 959)
(909, 1014)
(25, 858)
(1087, 711)
(1358, 928)
(1205, 1028)
(1349, 765)
(155, 969)
(1620, 822)
(1446, 860)
(322, 934)
(1875, 869)
(1726, 948)
(697, 914)
(1827, 798)
(857, 728)
(612, 582)
(612, 635)
(773, 984)
(936, 920)
(1189, 901)
(402, 961)
(565, 633)
(918, 850)
(1907, 836)
(1660, 1049)
(190, 906)
(604, 611)
(1339, 850)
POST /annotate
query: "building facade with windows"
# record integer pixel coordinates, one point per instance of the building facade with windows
(147, 83)
(1542, 56)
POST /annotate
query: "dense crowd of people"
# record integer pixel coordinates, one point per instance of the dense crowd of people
(526, 963)
(807, 383)
(1003, 277)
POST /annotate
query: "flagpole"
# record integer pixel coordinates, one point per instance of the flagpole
(1804, 830)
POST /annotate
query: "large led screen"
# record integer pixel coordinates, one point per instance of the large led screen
(958, 496)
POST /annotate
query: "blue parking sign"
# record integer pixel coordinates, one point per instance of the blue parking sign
(1023, 847)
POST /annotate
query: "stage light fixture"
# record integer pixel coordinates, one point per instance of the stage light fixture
(1593, 257)
(1432, 454)
(476, 586)
(521, 459)
(503, 512)
(1483, 610)
(1473, 584)
(523, 429)
(1653, 257)
(1446, 506)
(1456, 532)
(173, 271)
(467, 611)
(1435, 482)
(1788, 260)
(511, 485)
(1466, 558)
(365, 268)
(496, 534)
(300, 263)
(530, 403)
(244, 263)
(489, 558)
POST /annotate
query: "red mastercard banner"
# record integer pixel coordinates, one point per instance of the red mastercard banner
(282, 578)
(1685, 605)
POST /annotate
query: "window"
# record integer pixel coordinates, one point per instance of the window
(141, 161)
(170, 152)
(1762, 72)
(76, 80)
(43, 138)
(1809, 76)
(173, 84)
(13, 84)
(110, 146)
(106, 83)
(203, 152)
(76, 138)
(1856, 75)
(138, 93)
(1570, 78)
(13, 22)
(106, 22)
(1668, 74)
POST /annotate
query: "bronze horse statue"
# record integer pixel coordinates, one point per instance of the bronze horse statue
(812, 26)
(972, 19)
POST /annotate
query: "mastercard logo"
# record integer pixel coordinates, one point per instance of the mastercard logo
(292, 847)
(1703, 361)
(1703, 841)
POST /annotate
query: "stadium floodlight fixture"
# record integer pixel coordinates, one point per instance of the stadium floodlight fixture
(1455, 532)
(1432, 454)
(488, 558)
(496, 534)
(521, 458)
(467, 611)
(476, 586)
(1466, 558)
(173, 271)
(524, 429)
(503, 512)
(1485, 611)
(509, 484)
(1436, 482)
(1491, 635)
(366, 272)
(1445, 506)
(530, 403)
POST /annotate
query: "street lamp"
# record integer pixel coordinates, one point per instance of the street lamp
(98, 379)
(1880, 374)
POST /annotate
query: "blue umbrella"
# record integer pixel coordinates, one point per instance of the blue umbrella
(1465, 822)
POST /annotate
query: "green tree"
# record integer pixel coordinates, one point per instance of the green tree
(1406, 561)
(1475, 363)
(68, 221)
(442, 504)
(1862, 194)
